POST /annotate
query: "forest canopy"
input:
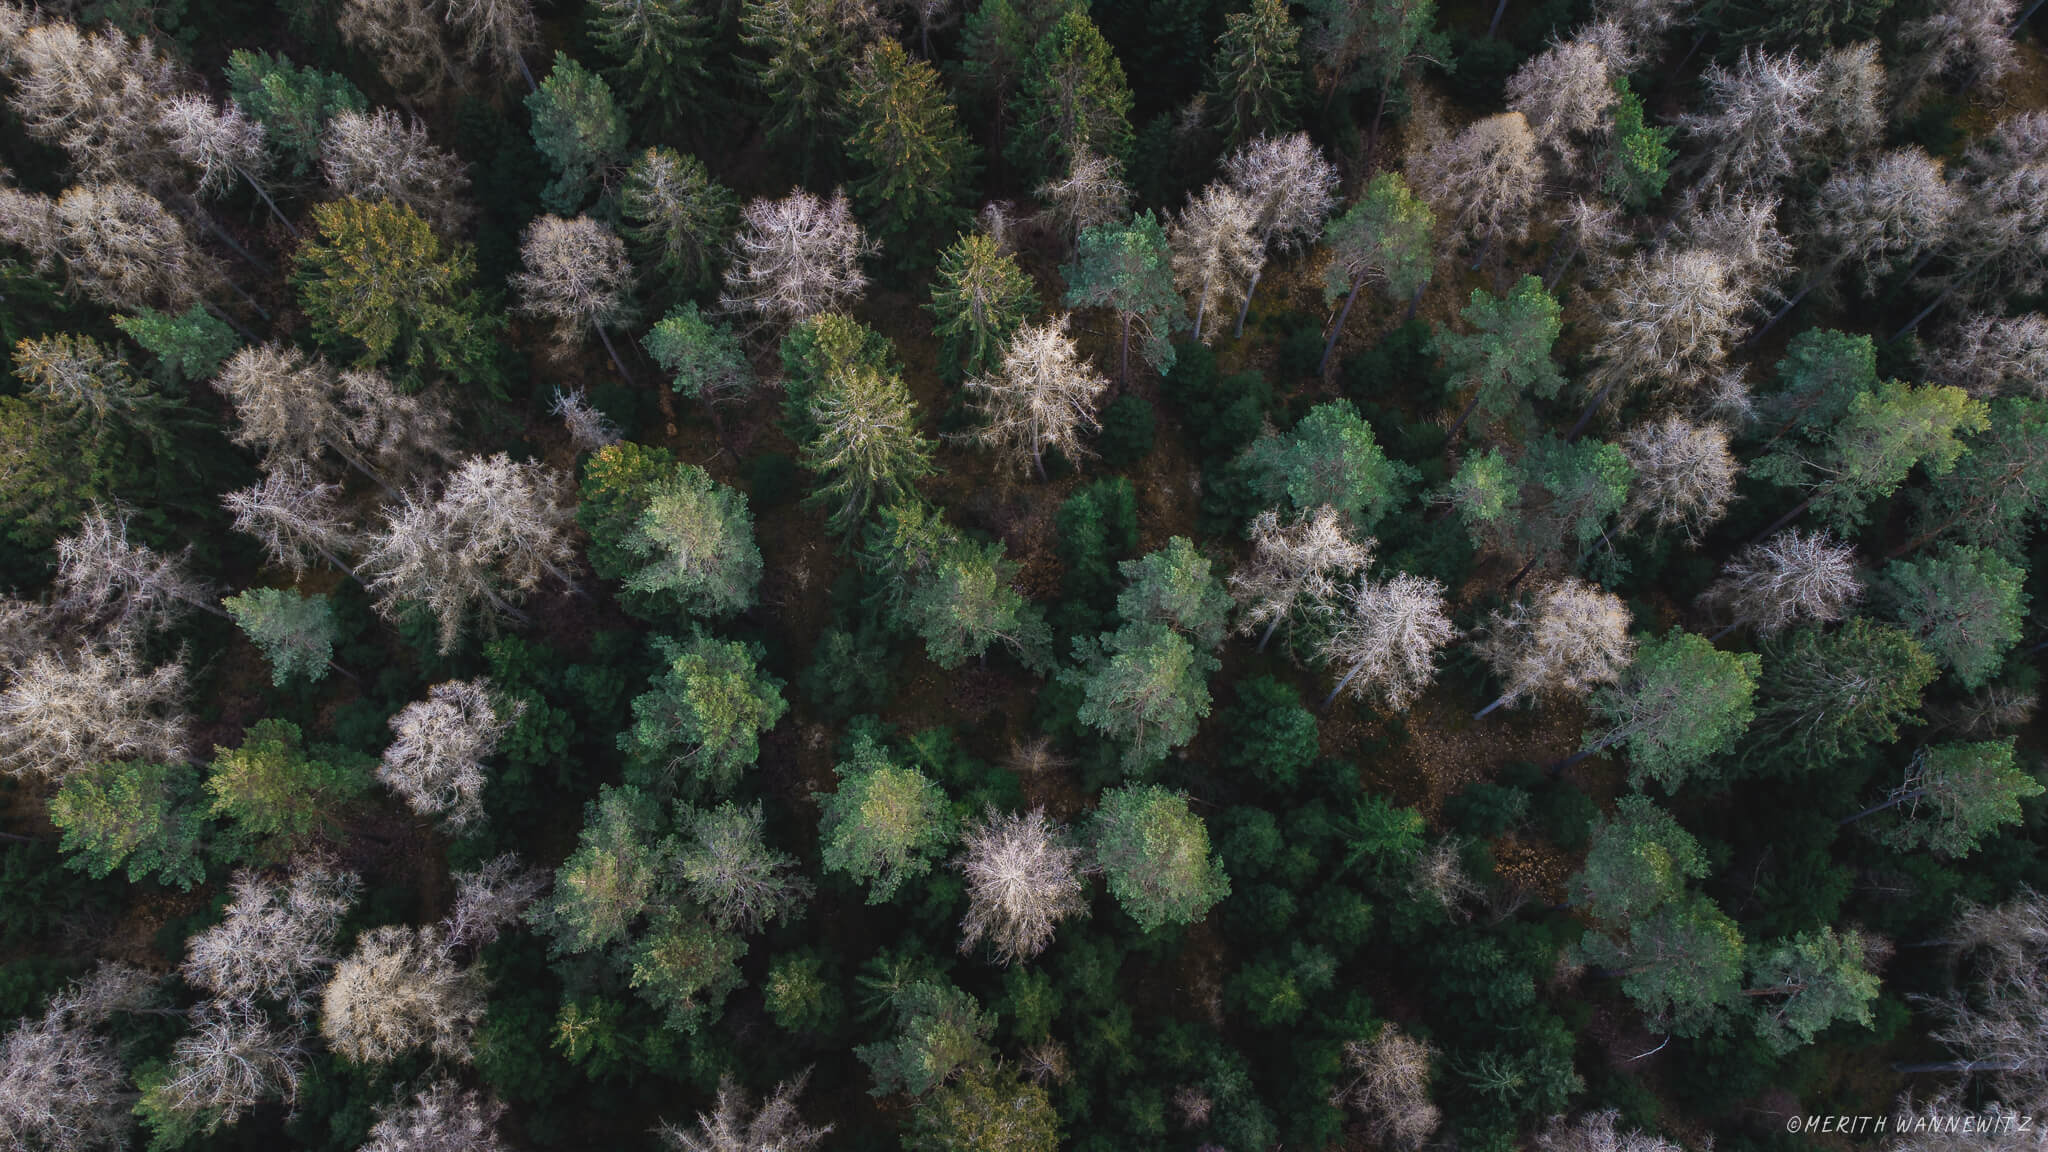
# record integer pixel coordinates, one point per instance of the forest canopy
(1016, 575)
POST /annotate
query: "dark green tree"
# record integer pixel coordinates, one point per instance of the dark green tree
(1144, 686)
(805, 49)
(1808, 982)
(1257, 71)
(1072, 97)
(1827, 695)
(1953, 796)
(1681, 964)
(906, 139)
(295, 632)
(1384, 238)
(608, 881)
(1997, 490)
(292, 103)
(1866, 455)
(188, 346)
(940, 1033)
(278, 797)
(579, 128)
(659, 50)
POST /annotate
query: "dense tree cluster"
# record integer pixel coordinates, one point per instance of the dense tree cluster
(1007, 575)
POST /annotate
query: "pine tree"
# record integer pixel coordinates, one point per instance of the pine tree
(1128, 270)
(136, 815)
(296, 632)
(1995, 491)
(1681, 964)
(1155, 854)
(694, 540)
(985, 1110)
(1368, 44)
(727, 867)
(980, 298)
(905, 134)
(1174, 586)
(1256, 71)
(703, 358)
(279, 796)
(1506, 357)
(1146, 689)
(1866, 455)
(608, 881)
(1680, 703)
(1384, 238)
(1329, 459)
(660, 50)
(293, 103)
(1954, 795)
(701, 721)
(1639, 860)
(1809, 982)
(376, 280)
(885, 824)
(578, 127)
(1828, 695)
(678, 218)
(1966, 605)
(1073, 97)
(939, 1032)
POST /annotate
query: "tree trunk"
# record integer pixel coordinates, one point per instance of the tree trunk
(1725, 629)
(1557, 768)
(1342, 684)
(241, 329)
(1482, 713)
(1874, 809)
(1758, 335)
(1337, 329)
(1924, 314)
(1372, 140)
(1494, 27)
(1458, 425)
(2008, 1064)
(1524, 570)
(2024, 17)
(1268, 633)
(525, 73)
(269, 203)
(1559, 266)
(1038, 462)
(1787, 518)
(606, 340)
(1245, 308)
(1586, 417)
(213, 227)
(1414, 302)
(1124, 358)
(1201, 308)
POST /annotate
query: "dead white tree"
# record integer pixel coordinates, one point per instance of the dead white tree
(589, 428)
(1023, 877)
(794, 258)
(233, 1059)
(62, 1086)
(1391, 1087)
(1849, 110)
(733, 1125)
(62, 713)
(1997, 1029)
(220, 145)
(1214, 253)
(1794, 577)
(436, 760)
(121, 591)
(1564, 641)
(1875, 218)
(95, 95)
(1295, 567)
(379, 155)
(576, 276)
(1092, 192)
(1386, 637)
(1043, 397)
(495, 532)
(400, 990)
(1565, 91)
(1758, 117)
(124, 249)
(1596, 1132)
(1684, 475)
(491, 899)
(496, 32)
(274, 940)
(443, 1117)
(1290, 188)
(1589, 228)
(1994, 248)
(1967, 43)
(402, 36)
(1669, 320)
(295, 517)
(1989, 356)
(1483, 182)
